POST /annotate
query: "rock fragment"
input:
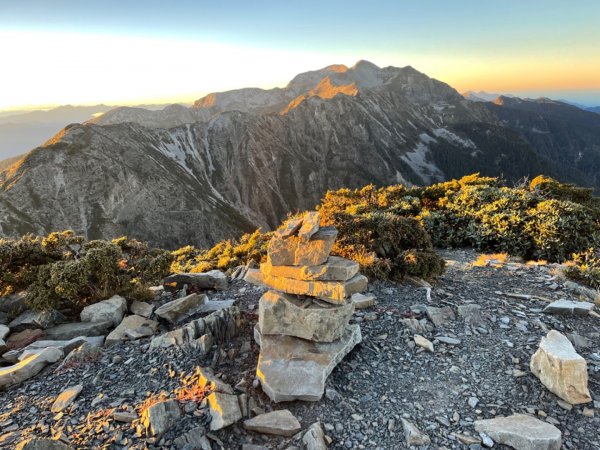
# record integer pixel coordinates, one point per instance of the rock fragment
(181, 308)
(362, 301)
(281, 423)
(334, 269)
(522, 432)
(68, 331)
(65, 398)
(335, 292)
(413, 435)
(213, 279)
(29, 367)
(423, 342)
(569, 308)
(310, 225)
(142, 309)
(36, 319)
(194, 439)
(224, 410)
(440, 316)
(42, 444)
(131, 328)
(314, 438)
(291, 251)
(111, 310)
(160, 417)
(561, 369)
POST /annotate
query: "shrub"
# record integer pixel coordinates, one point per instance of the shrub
(559, 228)
(383, 242)
(585, 268)
(61, 270)
(224, 256)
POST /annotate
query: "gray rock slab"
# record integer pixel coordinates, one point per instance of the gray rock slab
(522, 432)
(111, 310)
(569, 308)
(72, 330)
(281, 423)
(291, 368)
(160, 417)
(36, 319)
(224, 410)
(29, 367)
(289, 315)
(213, 279)
(183, 307)
(131, 328)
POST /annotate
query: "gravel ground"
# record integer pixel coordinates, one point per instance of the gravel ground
(384, 379)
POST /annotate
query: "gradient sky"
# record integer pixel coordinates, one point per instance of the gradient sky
(128, 51)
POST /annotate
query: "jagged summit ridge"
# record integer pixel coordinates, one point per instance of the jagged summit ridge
(324, 83)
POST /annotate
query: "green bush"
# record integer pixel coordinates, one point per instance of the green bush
(585, 268)
(373, 233)
(390, 231)
(224, 256)
(60, 270)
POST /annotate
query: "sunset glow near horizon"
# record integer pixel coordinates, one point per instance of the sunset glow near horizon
(153, 52)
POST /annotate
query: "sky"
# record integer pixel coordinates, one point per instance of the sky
(132, 51)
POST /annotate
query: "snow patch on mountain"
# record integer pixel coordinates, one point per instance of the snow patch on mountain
(449, 136)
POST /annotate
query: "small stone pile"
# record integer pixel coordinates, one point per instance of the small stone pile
(303, 327)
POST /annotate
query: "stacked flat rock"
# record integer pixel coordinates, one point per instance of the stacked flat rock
(303, 326)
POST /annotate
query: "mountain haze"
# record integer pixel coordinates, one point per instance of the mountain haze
(242, 159)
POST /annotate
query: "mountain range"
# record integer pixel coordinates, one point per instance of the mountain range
(20, 131)
(242, 159)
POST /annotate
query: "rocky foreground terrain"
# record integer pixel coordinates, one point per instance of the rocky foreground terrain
(427, 370)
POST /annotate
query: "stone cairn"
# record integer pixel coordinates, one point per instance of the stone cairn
(303, 328)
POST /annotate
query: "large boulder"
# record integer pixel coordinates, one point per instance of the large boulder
(281, 423)
(294, 251)
(29, 367)
(181, 308)
(561, 369)
(291, 316)
(522, 432)
(131, 328)
(72, 330)
(111, 310)
(213, 279)
(290, 368)
(36, 319)
(336, 292)
(334, 269)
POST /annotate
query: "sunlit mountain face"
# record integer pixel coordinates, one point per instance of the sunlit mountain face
(242, 159)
